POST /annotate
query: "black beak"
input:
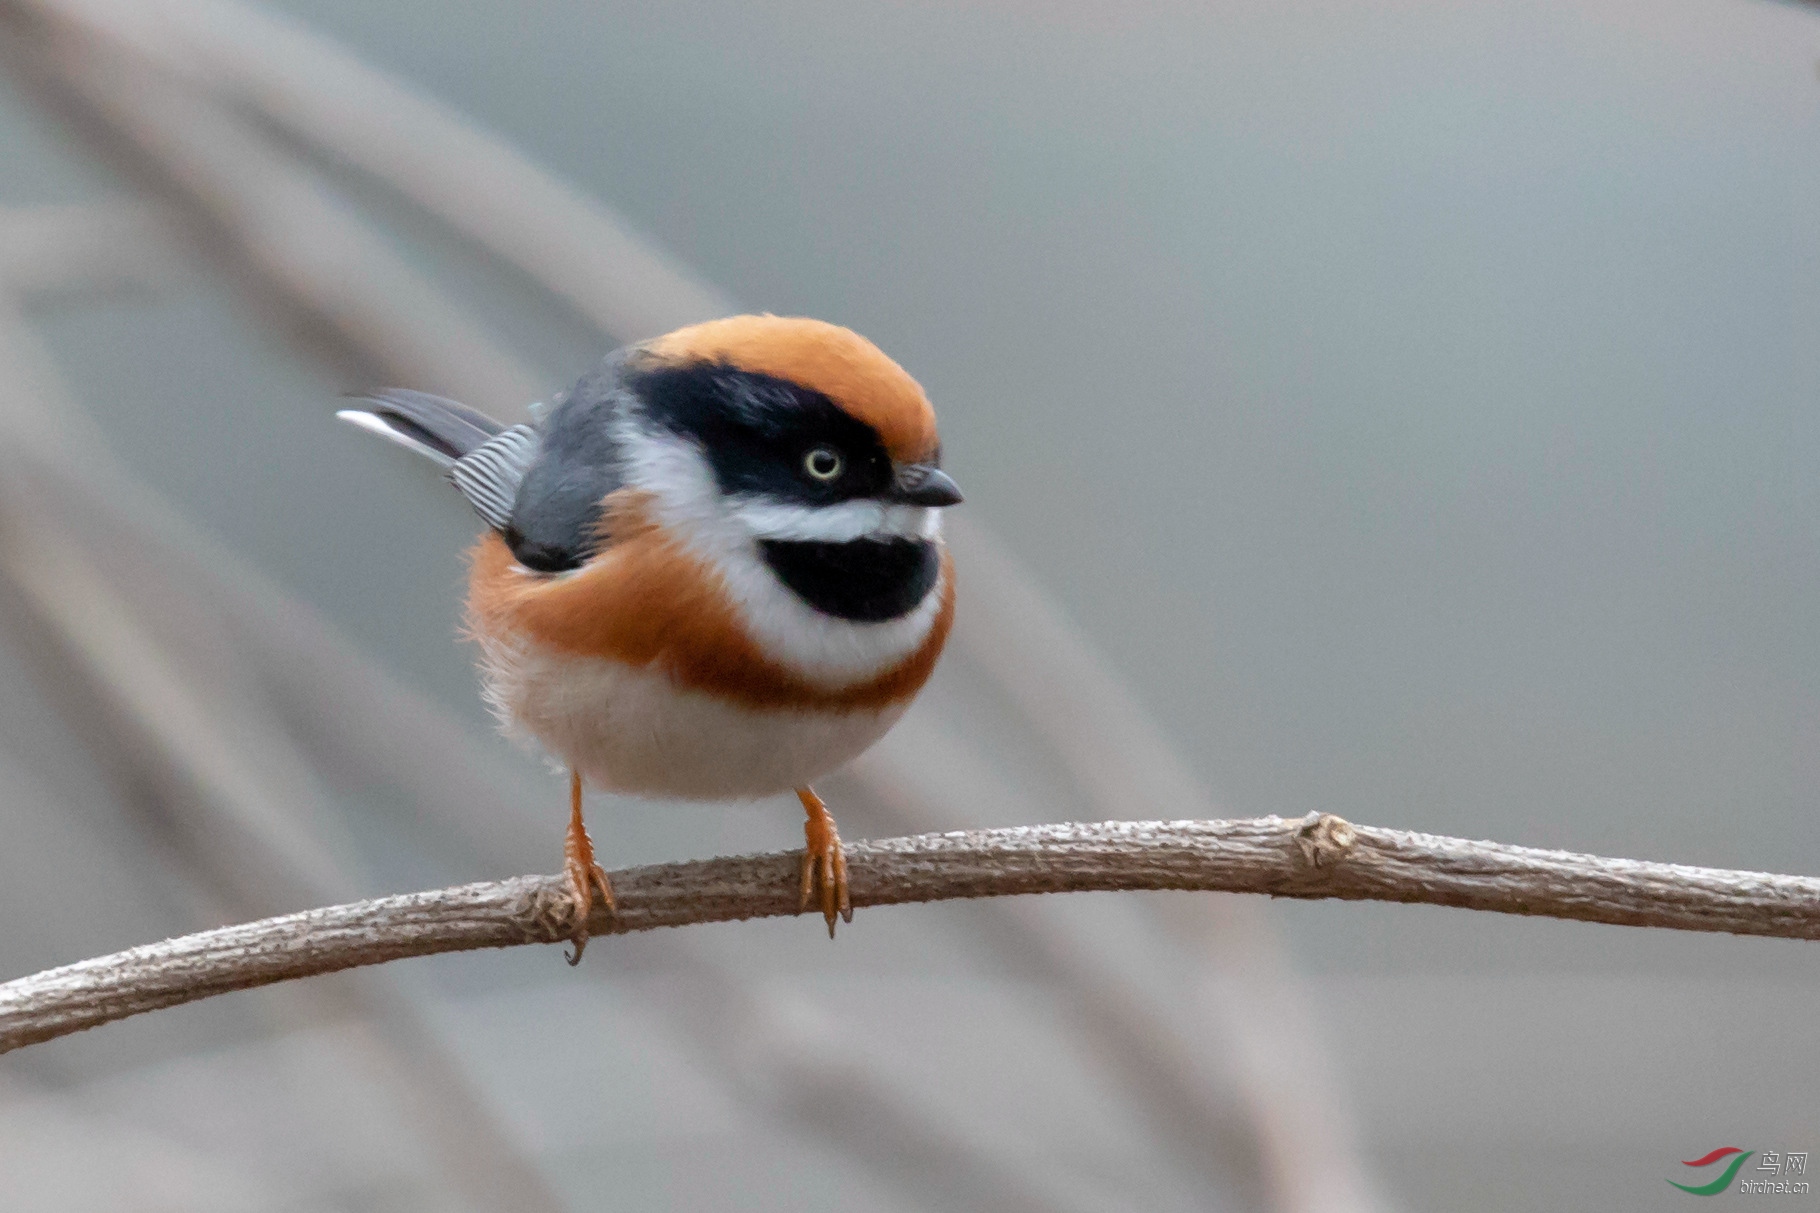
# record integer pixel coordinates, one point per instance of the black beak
(925, 484)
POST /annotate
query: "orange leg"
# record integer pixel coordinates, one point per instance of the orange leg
(824, 863)
(584, 873)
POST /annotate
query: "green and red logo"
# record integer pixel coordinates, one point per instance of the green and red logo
(1737, 1156)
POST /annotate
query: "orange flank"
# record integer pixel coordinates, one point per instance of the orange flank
(645, 601)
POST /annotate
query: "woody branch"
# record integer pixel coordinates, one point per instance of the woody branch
(1319, 856)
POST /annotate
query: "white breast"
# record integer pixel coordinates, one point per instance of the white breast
(634, 730)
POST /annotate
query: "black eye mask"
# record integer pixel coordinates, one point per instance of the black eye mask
(756, 431)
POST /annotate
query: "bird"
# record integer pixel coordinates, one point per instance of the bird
(713, 569)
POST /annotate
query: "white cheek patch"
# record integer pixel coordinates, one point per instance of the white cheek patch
(671, 469)
(768, 518)
(724, 531)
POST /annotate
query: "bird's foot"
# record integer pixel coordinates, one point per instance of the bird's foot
(824, 863)
(585, 875)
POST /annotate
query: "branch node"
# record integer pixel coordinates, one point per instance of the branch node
(1324, 839)
(1331, 858)
(547, 911)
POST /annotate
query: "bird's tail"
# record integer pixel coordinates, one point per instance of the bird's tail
(484, 459)
(439, 430)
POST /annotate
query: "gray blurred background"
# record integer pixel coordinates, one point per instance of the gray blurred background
(1415, 404)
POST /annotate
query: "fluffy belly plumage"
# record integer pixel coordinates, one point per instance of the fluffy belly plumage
(634, 730)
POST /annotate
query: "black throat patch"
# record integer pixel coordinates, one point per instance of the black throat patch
(865, 580)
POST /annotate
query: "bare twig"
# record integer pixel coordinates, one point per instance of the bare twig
(272, 217)
(588, 257)
(1319, 856)
(85, 248)
(59, 1142)
(233, 799)
(574, 245)
(273, 621)
(795, 1062)
(1176, 1079)
(1302, 1145)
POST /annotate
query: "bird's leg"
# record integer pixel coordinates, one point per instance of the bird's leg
(824, 862)
(584, 874)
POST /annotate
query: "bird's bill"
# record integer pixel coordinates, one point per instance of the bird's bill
(925, 484)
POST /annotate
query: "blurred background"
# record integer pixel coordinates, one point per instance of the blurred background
(1402, 410)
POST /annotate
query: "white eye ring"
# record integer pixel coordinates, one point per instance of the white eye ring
(824, 463)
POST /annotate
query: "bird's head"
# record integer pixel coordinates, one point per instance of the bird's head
(803, 438)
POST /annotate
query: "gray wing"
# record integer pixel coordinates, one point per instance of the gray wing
(491, 476)
(539, 486)
(555, 521)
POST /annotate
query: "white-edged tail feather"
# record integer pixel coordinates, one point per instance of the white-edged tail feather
(483, 459)
(372, 423)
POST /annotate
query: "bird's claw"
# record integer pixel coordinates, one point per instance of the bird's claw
(825, 871)
(585, 876)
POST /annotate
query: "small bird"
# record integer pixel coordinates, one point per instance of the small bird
(714, 568)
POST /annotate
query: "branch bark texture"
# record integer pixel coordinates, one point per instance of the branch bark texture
(1320, 856)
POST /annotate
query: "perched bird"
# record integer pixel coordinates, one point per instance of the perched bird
(714, 570)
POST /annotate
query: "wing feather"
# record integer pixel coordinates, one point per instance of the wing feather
(491, 475)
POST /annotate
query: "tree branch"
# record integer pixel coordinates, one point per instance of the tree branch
(1319, 856)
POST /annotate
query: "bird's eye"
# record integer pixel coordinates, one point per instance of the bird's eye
(824, 463)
